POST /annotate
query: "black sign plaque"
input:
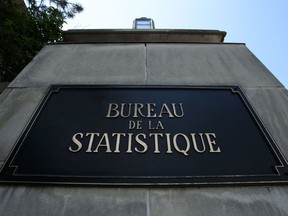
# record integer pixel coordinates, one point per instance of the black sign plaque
(145, 135)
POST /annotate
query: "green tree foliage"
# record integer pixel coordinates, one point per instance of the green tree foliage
(24, 31)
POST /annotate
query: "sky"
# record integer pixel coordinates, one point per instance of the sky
(261, 24)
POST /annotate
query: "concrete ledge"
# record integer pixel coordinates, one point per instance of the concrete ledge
(143, 36)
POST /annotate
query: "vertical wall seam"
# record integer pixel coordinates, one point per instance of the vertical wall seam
(146, 64)
(148, 202)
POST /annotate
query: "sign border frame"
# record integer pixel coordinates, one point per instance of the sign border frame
(223, 180)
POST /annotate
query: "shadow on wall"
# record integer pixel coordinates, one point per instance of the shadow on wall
(3, 86)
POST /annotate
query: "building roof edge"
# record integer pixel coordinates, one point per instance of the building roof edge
(137, 36)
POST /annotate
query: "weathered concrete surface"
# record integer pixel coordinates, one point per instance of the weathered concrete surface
(206, 64)
(249, 201)
(141, 64)
(26, 201)
(17, 107)
(60, 201)
(85, 64)
(271, 104)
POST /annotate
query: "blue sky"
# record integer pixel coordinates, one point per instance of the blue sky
(261, 24)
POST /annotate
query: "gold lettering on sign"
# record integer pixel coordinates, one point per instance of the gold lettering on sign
(156, 143)
(136, 110)
(150, 110)
(169, 150)
(113, 111)
(76, 142)
(195, 143)
(179, 143)
(105, 144)
(118, 137)
(183, 150)
(158, 126)
(89, 149)
(140, 143)
(212, 143)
